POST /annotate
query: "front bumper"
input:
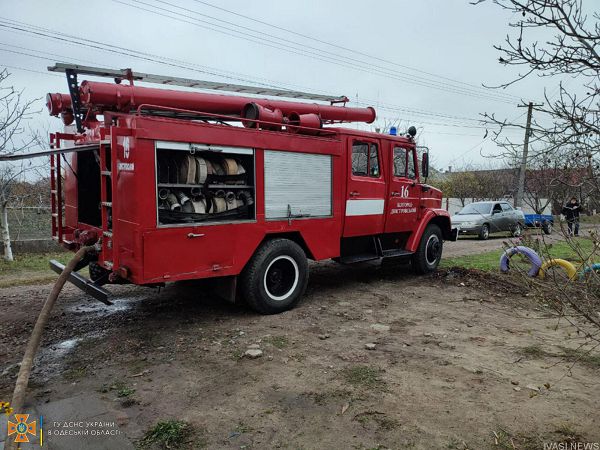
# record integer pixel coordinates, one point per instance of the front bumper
(471, 229)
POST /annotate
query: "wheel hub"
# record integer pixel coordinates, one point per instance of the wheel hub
(281, 278)
(433, 249)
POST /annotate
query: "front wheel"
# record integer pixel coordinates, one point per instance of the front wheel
(429, 253)
(484, 232)
(276, 277)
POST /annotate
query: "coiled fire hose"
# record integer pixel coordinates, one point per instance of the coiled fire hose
(18, 398)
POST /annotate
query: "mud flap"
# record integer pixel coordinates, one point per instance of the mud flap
(83, 283)
(225, 288)
(453, 234)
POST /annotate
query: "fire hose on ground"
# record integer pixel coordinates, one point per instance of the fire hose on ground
(18, 398)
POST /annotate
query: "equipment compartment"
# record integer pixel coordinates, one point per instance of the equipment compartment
(201, 183)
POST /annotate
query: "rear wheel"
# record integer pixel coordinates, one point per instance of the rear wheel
(547, 227)
(276, 277)
(517, 230)
(98, 274)
(484, 232)
(428, 255)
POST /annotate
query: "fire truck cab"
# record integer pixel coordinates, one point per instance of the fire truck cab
(172, 185)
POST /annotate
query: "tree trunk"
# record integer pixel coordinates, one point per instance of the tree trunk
(8, 256)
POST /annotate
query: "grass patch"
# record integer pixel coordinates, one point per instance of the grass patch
(383, 422)
(37, 262)
(563, 434)
(122, 390)
(32, 268)
(489, 261)
(125, 392)
(168, 434)
(507, 441)
(363, 376)
(533, 351)
(583, 357)
(277, 341)
(75, 373)
(322, 398)
(243, 428)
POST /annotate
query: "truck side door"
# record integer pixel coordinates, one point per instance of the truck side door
(403, 192)
(365, 190)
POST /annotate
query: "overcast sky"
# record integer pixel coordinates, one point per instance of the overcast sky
(422, 62)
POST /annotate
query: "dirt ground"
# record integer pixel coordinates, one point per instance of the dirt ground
(459, 361)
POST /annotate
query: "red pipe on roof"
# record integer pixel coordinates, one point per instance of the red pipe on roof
(121, 97)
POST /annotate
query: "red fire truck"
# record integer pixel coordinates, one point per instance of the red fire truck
(174, 185)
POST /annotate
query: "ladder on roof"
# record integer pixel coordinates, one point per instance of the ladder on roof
(127, 74)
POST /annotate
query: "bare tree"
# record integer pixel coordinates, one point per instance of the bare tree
(15, 111)
(554, 38)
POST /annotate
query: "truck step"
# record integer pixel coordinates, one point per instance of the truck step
(396, 253)
(352, 259)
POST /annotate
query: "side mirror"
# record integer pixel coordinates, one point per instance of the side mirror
(425, 165)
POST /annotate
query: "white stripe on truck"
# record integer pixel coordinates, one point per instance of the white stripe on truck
(364, 207)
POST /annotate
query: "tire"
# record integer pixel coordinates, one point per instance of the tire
(98, 274)
(569, 268)
(517, 230)
(276, 277)
(429, 253)
(484, 232)
(532, 256)
(547, 227)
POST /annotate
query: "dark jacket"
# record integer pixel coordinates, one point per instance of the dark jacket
(571, 211)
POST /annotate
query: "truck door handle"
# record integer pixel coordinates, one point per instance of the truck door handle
(195, 235)
(354, 194)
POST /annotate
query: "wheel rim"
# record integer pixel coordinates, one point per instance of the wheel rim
(433, 249)
(518, 230)
(486, 231)
(281, 278)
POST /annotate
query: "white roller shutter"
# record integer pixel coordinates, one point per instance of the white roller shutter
(300, 180)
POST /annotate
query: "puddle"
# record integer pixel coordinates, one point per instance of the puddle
(63, 348)
(51, 360)
(100, 309)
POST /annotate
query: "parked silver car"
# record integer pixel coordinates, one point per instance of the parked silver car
(483, 218)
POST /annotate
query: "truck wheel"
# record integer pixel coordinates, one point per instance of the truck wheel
(517, 230)
(429, 253)
(484, 233)
(276, 277)
(98, 274)
(547, 227)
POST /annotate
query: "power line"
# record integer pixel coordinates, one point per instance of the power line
(454, 121)
(129, 52)
(365, 67)
(337, 54)
(342, 47)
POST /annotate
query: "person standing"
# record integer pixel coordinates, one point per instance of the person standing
(571, 211)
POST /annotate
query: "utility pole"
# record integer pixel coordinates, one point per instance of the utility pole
(518, 200)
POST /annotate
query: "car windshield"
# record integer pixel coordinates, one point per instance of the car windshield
(476, 208)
